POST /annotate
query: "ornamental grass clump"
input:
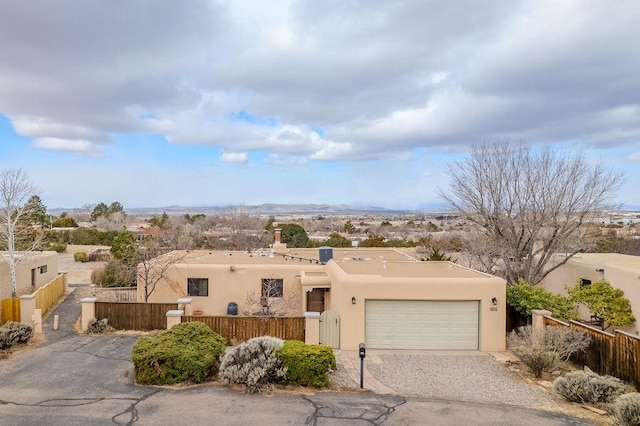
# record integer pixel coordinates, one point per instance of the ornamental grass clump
(187, 353)
(253, 364)
(589, 388)
(306, 365)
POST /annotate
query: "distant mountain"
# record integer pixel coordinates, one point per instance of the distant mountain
(262, 209)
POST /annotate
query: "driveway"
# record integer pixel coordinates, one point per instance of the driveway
(461, 376)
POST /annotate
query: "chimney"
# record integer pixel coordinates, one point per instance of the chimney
(277, 232)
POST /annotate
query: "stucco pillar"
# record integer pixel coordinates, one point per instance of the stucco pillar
(174, 317)
(312, 328)
(65, 281)
(537, 318)
(36, 320)
(186, 305)
(88, 311)
(27, 306)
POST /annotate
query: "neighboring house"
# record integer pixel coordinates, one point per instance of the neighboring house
(35, 269)
(382, 297)
(620, 270)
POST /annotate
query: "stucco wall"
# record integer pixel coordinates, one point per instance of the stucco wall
(228, 286)
(28, 261)
(375, 287)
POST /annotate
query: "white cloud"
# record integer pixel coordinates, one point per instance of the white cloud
(378, 78)
(234, 157)
(67, 145)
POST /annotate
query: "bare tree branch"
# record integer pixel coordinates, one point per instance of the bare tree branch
(529, 204)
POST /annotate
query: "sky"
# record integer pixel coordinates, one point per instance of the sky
(208, 103)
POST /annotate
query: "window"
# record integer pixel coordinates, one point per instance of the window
(198, 286)
(43, 269)
(585, 282)
(272, 287)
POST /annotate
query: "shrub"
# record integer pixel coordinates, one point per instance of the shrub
(542, 350)
(626, 409)
(524, 297)
(99, 326)
(578, 386)
(116, 274)
(187, 353)
(307, 365)
(58, 247)
(253, 363)
(81, 256)
(14, 333)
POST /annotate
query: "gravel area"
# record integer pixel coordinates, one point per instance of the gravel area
(475, 378)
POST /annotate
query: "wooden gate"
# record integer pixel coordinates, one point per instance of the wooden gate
(330, 329)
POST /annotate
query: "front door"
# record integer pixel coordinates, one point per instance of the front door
(315, 300)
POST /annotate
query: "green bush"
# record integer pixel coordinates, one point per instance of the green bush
(626, 409)
(14, 333)
(58, 247)
(524, 297)
(253, 364)
(591, 388)
(187, 353)
(81, 256)
(307, 365)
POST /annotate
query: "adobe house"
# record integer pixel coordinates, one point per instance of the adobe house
(35, 269)
(620, 270)
(379, 296)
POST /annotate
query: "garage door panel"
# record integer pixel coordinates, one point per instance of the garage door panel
(411, 324)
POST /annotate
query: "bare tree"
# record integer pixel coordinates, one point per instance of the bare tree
(153, 265)
(17, 233)
(271, 300)
(529, 203)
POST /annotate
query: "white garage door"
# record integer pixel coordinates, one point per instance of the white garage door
(422, 324)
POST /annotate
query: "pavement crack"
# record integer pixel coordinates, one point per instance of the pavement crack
(132, 410)
(366, 412)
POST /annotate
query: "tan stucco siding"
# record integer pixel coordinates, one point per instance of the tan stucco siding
(44, 263)
(227, 286)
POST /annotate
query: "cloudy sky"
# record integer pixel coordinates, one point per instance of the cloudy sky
(155, 103)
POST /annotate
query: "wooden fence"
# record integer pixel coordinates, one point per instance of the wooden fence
(239, 329)
(117, 294)
(615, 354)
(135, 316)
(10, 310)
(49, 293)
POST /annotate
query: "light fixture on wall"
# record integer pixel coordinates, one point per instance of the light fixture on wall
(494, 301)
(353, 300)
(232, 268)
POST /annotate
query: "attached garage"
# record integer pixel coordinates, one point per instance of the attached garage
(422, 324)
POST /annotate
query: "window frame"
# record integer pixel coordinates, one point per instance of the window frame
(267, 293)
(195, 283)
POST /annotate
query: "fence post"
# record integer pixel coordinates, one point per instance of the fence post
(65, 284)
(174, 317)
(88, 311)
(27, 306)
(537, 318)
(36, 320)
(312, 328)
(186, 305)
